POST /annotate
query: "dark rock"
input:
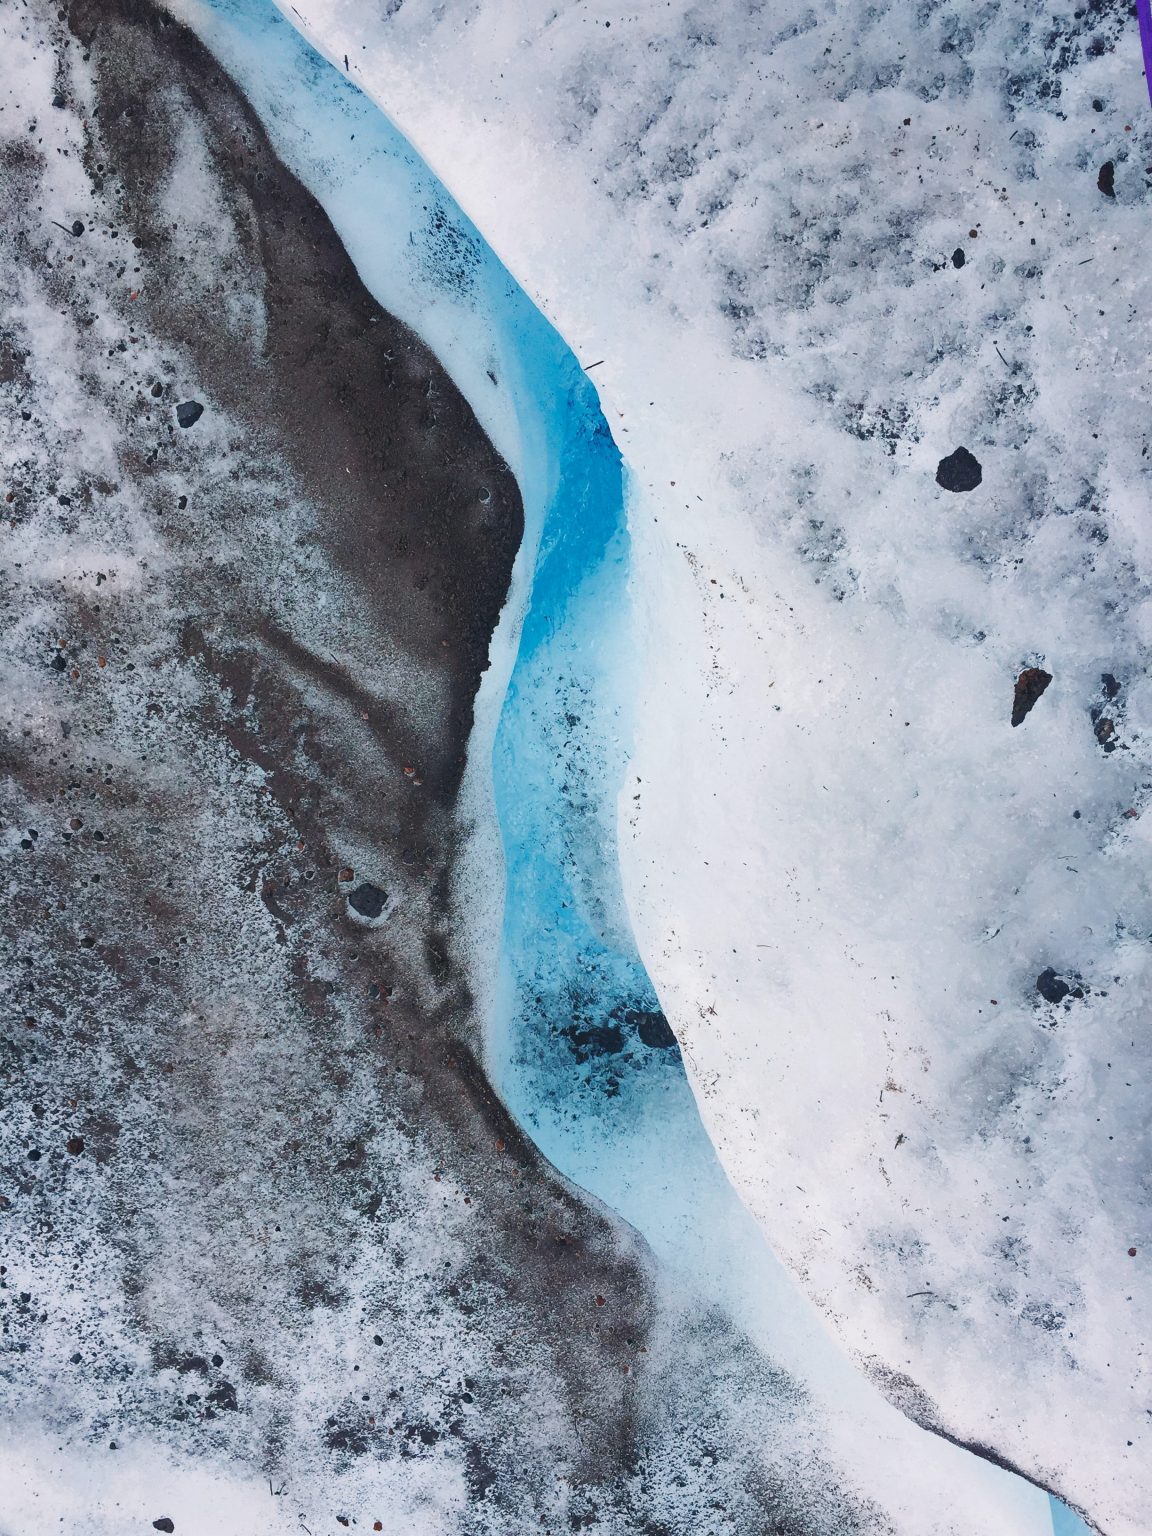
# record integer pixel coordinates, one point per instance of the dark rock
(77, 227)
(1097, 105)
(1106, 180)
(1109, 684)
(75, 1145)
(1029, 686)
(598, 1039)
(653, 1029)
(368, 900)
(157, 391)
(1052, 988)
(189, 412)
(58, 99)
(957, 257)
(960, 471)
(163, 1524)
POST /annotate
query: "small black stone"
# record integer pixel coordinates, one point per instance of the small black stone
(957, 257)
(1109, 684)
(1030, 685)
(960, 471)
(217, 1360)
(163, 1524)
(653, 1029)
(189, 412)
(157, 391)
(1097, 105)
(597, 1040)
(1052, 988)
(368, 900)
(1106, 180)
(58, 100)
(182, 503)
(77, 227)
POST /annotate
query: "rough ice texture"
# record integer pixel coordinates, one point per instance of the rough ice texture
(903, 943)
(263, 1216)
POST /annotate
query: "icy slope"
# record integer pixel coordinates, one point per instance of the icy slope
(819, 251)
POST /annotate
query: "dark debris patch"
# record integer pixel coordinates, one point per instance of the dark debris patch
(368, 900)
(188, 413)
(960, 471)
(653, 1028)
(1106, 180)
(1054, 988)
(1030, 685)
(1107, 713)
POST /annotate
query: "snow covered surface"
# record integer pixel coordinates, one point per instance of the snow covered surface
(821, 893)
(649, 1154)
(846, 868)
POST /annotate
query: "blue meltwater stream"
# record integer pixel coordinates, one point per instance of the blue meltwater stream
(577, 1045)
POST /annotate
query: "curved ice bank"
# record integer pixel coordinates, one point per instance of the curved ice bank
(579, 1047)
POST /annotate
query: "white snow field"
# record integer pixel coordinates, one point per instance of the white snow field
(813, 251)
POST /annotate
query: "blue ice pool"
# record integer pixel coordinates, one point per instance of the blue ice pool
(578, 1046)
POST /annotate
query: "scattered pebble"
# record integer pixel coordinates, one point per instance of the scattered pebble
(1029, 686)
(189, 412)
(960, 471)
(368, 899)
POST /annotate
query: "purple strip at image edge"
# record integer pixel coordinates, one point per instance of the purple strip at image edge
(1144, 16)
